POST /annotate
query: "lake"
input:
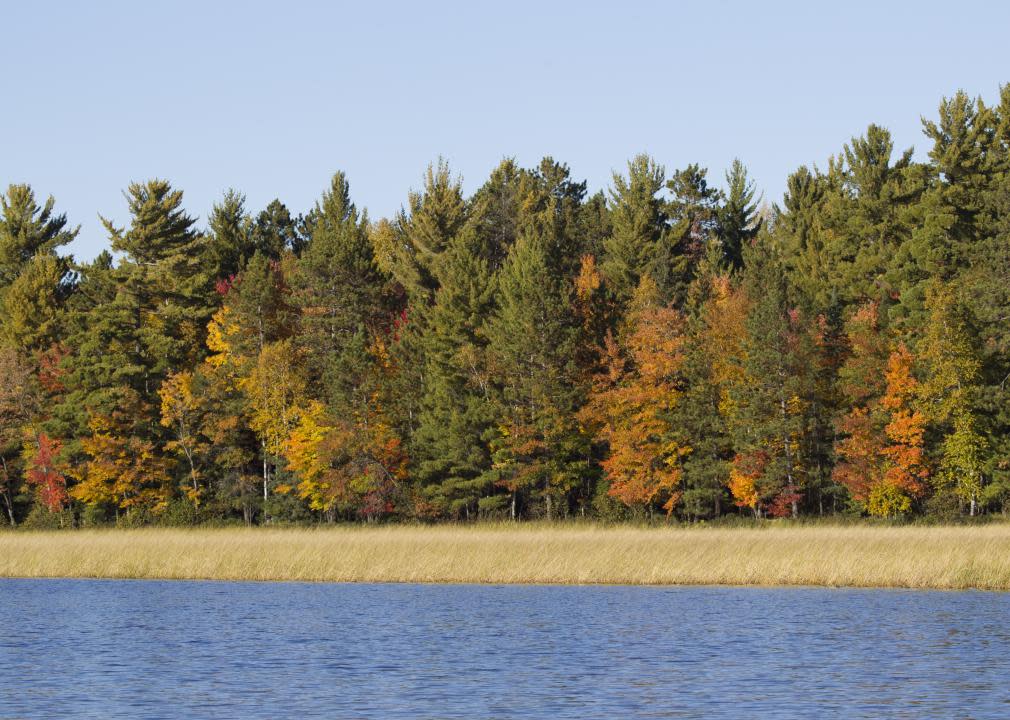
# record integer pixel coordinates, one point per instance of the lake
(155, 649)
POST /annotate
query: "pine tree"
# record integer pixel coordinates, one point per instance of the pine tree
(31, 309)
(496, 211)
(274, 231)
(413, 246)
(692, 212)
(410, 250)
(701, 417)
(108, 363)
(20, 405)
(27, 230)
(172, 294)
(772, 403)
(451, 457)
(638, 221)
(799, 228)
(538, 451)
(737, 217)
(34, 281)
(338, 289)
(229, 243)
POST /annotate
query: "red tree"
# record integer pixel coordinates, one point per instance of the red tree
(49, 483)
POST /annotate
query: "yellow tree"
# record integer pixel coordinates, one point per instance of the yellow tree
(346, 466)
(722, 335)
(274, 388)
(181, 413)
(952, 390)
(355, 462)
(725, 328)
(122, 470)
(307, 458)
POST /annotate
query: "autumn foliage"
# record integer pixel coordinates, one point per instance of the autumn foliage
(632, 401)
(45, 475)
(532, 349)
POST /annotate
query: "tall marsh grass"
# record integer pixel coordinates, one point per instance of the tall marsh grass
(913, 557)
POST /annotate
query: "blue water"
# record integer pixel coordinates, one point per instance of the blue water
(115, 649)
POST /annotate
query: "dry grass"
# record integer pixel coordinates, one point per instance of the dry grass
(915, 557)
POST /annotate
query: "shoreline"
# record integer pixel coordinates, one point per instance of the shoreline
(902, 558)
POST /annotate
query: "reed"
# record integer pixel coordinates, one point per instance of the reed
(908, 557)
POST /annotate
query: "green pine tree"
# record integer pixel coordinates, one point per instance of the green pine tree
(638, 223)
(539, 454)
(339, 292)
(229, 242)
(449, 449)
(737, 219)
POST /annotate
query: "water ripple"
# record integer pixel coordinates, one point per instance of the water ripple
(129, 649)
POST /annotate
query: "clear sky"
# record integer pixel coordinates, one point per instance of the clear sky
(271, 97)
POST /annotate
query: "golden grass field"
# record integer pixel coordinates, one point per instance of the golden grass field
(867, 556)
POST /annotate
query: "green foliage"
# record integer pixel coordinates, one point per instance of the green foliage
(847, 352)
(230, 237)
(737, 217)
(338, 289)
(636, 244)
(27, 230)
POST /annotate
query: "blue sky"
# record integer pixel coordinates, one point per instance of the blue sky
(270, 98)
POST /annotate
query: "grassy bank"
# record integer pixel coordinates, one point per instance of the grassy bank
(915, 557)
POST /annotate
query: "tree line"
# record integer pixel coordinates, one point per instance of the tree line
(669, 347)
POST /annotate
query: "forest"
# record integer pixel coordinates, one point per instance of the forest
(671, 348)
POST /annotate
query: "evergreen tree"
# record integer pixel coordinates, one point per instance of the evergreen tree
(274, 231)
(638, 221)
(229, 242)
(699, 417)
(799, 231)
(538, 451)
(31, 310)
(692, 212)
(414, 245)
(411, 252)
(27, 230)
(338, 290)
(107, 360)
(451, 457)
(770, 470)
(737, 217)
(172, 294)
(34, 281)
(496, 211)
(20, 405)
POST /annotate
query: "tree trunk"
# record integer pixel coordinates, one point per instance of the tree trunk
(10, 507)
(266, 472)
(789, 459)
(7, 492)
(192, 471)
